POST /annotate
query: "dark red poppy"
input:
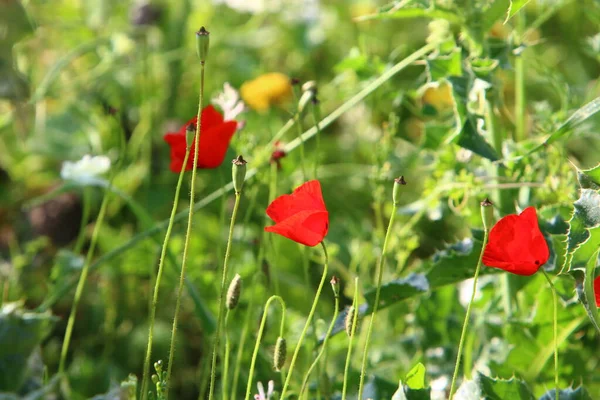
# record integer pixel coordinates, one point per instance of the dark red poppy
(300, 216)
(597, 290)
(214, 140)
(516, 244)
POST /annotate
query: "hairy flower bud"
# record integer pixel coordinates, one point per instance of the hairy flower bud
(280, 353)
(233, 293)
(349, 321)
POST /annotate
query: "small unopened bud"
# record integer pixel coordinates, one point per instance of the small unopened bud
(233, 293)
(487, 214)
(398, 182)
(202, 39)
(158, 366)
(280, 353)
(349, 321)
(238, 173)
(190, 132)
(335, 285)
(155, 379)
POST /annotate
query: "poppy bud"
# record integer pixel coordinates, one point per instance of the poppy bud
(239, 173)
(280, 353)
(396, 193)
(487, 214)
(335, 285)
(349, 321)
(202, 38)
(233, 293)
(190, 132)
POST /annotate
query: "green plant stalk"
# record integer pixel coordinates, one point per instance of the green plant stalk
(350, 339)
(519, 85)
(161, 263)
(363, 369)
(188, 233)
(259, 336)
(213, 369)
(85, 215)
(262, 161)
(468, 314)
(555, 330)
(225, 375)
(323, 346)
(308, 322)
(316, 112)
(302, 155)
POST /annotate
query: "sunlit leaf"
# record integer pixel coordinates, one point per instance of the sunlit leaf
(501, 389)
(515, 6)
(567, 394)
(415, 379)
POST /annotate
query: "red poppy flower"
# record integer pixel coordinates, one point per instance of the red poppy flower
(597, 290)
(214, 140)
(300, 216)
(516, 244)
(278, 154)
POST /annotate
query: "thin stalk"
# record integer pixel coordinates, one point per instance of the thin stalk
(88, 259)
(376, 304)
(302, 156)
(225, 375)
(308, 322)
(555, 328)
(323, 346)
(519, 85)
(161, 263)
(468, 315)
(316, 112)
(261, 329)
(351, 338)
(85, 215)
(262, 160)
(188, 233)
(213, 370)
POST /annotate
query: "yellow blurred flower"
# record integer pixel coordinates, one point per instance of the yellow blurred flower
(438, 95)
(266, 90)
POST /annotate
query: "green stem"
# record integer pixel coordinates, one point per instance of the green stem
(519, 85)
(555, 328)
(351, 338)
(161, 263)
(85, 215)
(316, 112)
(468, 315)
(302, 156)
(307, 324)
(259, 336)
(213, 370)
(188, 233)
(376, 304)
(323, 346)
(262, 161)
(225, 375)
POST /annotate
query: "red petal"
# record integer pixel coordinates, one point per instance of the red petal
(305, 227)
(516, 244)
(597, 290)
(213, 145)
(307, 197)
(211, 117)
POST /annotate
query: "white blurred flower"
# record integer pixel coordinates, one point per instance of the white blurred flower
(85, 169)
(468, 390)
(438, 388)
(261, 391)
(295, 10)
(230, 102)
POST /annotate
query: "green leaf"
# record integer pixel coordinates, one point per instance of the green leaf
(500, 389)
(21, 332)
(14, 24)
(404, 392)
(397, 290)
(589, 178)
(515, 6)
(583, 238)
(493, 13)
(567, 394)
(413, 12)
(470, 139)
(415, 379)
(584, 284)
(444, 66)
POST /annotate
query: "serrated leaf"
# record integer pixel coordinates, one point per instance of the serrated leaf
(398, 290)
(584, 285)
(584, 229)
(589, 178)
(444, 66)
(21, 332)
(493, 13)
(567, 394)
(515, 6)
(415, 379)
(470, 139)
(501, 389)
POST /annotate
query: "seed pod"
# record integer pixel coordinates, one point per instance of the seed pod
(190, 132)
(349, 320)
(398, 182)
(487, 214)
(202, 38)
(280, 353)
(239, 173)
(233, 293)
(335, 285)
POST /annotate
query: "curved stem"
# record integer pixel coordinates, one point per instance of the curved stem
(376, 304)
(351, 338)
(222, 297)
(161, 263)
(323, 346)
(263, 321)
(467, 316)
(186, 245)
(225, 376)
(555, 328)
(307, 324)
